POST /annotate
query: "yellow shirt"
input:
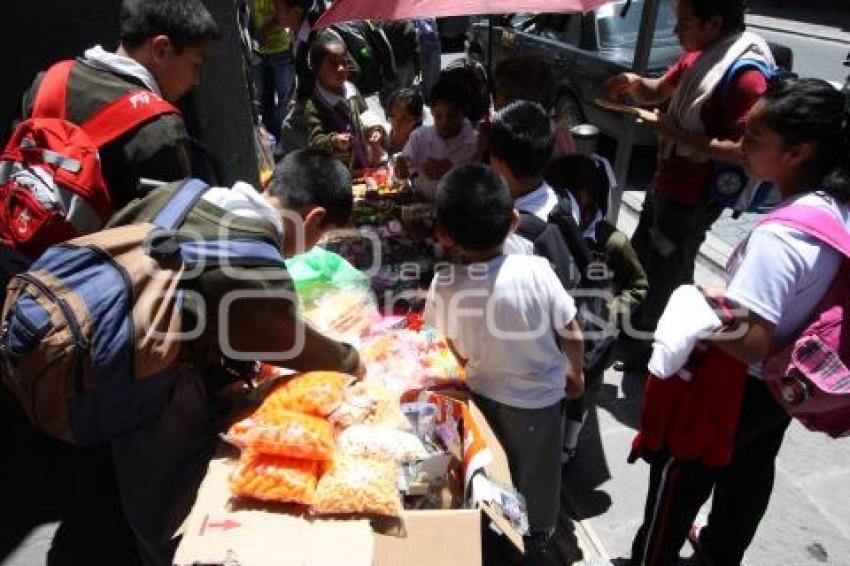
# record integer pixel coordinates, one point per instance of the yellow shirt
(275, 41)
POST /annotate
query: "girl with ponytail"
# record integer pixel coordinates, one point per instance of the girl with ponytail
(798, 136)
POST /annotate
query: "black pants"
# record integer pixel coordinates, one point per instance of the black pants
(44, 480)
(532, 441)
(667, 240)
(677, 490)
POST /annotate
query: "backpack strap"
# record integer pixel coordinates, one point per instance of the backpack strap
(815, 222)
(124, 115)
(50, 100)
(530, 227)
(181, 202)
(233, 252)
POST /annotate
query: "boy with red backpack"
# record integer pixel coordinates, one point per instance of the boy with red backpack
(91, 128)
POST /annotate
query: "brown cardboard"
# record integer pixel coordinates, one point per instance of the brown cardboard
(219, 531)
(434, 538)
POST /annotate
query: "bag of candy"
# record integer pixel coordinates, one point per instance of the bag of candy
(275, 478)
(316, 393)
(358, 485)
(381, 443)
(285, 433)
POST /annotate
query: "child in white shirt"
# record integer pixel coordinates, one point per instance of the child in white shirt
(433, 150)
(509, 320)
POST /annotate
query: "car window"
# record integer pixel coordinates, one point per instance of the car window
(616, 32)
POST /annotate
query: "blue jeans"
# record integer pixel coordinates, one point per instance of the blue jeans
(274, 79)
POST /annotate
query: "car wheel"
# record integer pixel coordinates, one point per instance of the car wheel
(568, 110)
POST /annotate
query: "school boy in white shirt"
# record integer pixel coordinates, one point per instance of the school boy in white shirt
(509, 320)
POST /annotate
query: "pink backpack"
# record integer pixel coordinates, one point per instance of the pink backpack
(810, 374)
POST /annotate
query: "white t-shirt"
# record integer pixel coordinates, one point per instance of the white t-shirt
(781, 274)
(244, 200)
(425, 143)
(540, 203)
(502, 316)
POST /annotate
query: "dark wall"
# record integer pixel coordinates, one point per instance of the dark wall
(218, 112)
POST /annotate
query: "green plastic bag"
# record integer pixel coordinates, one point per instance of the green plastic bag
(318, 271)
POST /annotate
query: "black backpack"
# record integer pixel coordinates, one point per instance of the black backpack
(561, 242)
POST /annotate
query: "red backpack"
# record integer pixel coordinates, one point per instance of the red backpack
(51, 185)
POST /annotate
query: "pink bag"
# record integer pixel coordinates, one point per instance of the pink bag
(810, 374)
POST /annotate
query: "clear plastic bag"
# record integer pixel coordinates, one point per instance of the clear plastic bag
(275, 478)
(359, 485)
(316, 393)
(286, 433)
(380, 443)
(370, 403)
(344, 314)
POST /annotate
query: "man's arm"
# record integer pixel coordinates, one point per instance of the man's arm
(644, 90)
(743, 93)
(715, 148)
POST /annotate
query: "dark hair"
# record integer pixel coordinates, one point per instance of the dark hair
(576, 173)
(185, 22)
(474, 207)
(410, 98)
(320, 47)
(311, 177)
(522, 137)
(812, 110)
(451, 90)
(470, 75)
(527, 76)
(730, 11)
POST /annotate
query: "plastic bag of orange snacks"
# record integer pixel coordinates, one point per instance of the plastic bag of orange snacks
(315, 393)
(275, 478)
(358, 485)
(285, 433)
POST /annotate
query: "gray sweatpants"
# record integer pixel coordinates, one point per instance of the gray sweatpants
(532, 440)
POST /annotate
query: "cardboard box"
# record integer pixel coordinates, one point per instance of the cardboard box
(220, 530)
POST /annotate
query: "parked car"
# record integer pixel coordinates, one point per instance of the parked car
(586, 49)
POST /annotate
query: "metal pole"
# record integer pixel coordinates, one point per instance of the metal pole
(626, 141)
(491, 45)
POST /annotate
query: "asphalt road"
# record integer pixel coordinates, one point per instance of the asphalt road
(813, 57)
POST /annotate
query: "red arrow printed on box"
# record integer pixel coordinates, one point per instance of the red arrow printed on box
(225, 525)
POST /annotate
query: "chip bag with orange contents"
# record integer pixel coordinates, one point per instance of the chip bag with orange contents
(316, 393)
(358, 485)
(285, 433)
(275, 478)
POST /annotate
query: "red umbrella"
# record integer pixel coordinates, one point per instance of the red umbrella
(350, 10)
